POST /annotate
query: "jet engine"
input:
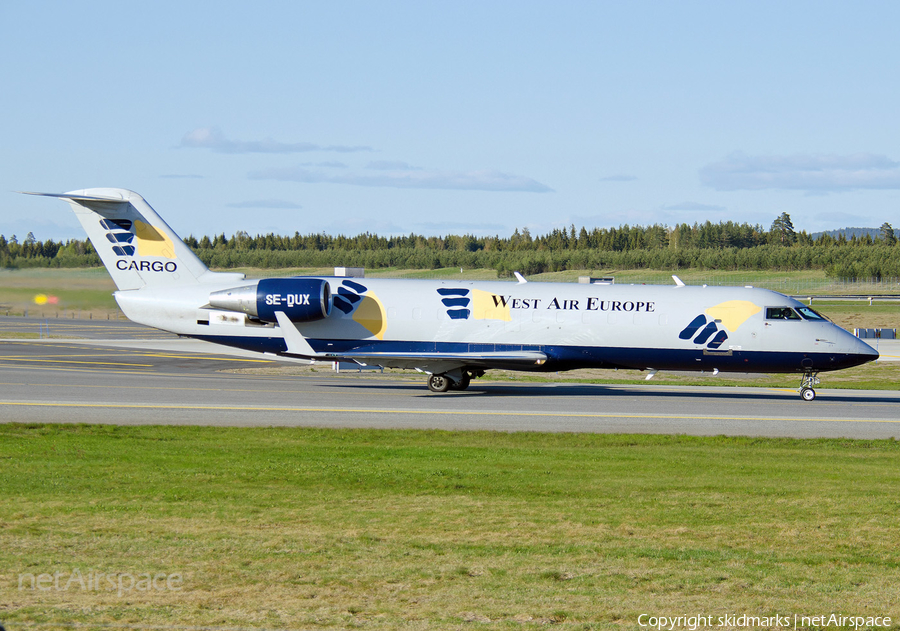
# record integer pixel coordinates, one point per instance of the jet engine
(301, 299)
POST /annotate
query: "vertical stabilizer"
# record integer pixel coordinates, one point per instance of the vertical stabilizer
(137, 247)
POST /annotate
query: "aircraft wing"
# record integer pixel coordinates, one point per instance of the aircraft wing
(443, 362)
(298, 346)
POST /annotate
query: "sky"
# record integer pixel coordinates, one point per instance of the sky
(455, 117)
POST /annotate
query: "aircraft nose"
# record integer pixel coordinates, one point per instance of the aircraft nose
(858, 349)
(867, 351)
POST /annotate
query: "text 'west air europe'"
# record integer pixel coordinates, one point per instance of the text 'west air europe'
(588, 304)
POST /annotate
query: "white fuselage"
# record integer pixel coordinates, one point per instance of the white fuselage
(577, 325)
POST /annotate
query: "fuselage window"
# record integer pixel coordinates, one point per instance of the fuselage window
(809, 314)
(781, 313)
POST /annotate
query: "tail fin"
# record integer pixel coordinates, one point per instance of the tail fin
(137, 247)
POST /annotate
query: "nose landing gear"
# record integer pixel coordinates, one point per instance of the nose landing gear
(810, 379)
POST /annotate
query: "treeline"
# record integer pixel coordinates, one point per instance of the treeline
(722, 246)
(34, 253)
(845, 261)
(623, 238)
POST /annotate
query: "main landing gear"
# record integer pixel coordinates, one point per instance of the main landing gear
(809, 380)
(439, 383)
(452, 380)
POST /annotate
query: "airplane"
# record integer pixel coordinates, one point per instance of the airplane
(454, 331)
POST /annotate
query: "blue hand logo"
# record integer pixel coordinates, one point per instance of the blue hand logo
(707, 329)
(457, 303)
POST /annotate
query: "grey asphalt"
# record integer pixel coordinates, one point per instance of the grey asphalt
(151, 378)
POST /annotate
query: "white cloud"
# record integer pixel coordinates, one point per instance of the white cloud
(330, 165)
(388, 165)
(66, 227)
(618, 178)
(694, 206)
(279, 204)
(804, 172)
(452, 227)
(842, 219)
(419, 179)
(632, 216)
(352, 226)
(213, 139)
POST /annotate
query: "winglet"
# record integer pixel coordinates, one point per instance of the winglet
(678, 281)
(520, 278)
(296, 343)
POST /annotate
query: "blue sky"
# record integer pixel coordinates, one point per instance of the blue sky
(454, 117)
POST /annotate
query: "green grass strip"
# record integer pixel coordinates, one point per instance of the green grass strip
(310, 528)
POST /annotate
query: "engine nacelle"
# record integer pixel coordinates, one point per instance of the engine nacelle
(301, 299)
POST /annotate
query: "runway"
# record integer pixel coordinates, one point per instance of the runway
(161, 379)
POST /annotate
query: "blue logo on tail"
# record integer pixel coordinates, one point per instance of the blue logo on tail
(118, 232)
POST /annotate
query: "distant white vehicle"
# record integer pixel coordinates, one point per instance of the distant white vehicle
(456, 330)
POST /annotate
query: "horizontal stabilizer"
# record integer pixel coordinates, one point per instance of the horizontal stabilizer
(105, 206)
(77, 198)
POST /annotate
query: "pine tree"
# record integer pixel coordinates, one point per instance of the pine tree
(783, 229)
(887, 233)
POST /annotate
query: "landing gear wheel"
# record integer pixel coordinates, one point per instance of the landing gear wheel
(810, 379)
(439, 383)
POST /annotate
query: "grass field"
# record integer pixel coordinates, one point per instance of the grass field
(82, 292)
(224, 528)
(302, 529)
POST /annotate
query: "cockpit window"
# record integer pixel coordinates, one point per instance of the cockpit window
(781, 313)
(809, 314)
